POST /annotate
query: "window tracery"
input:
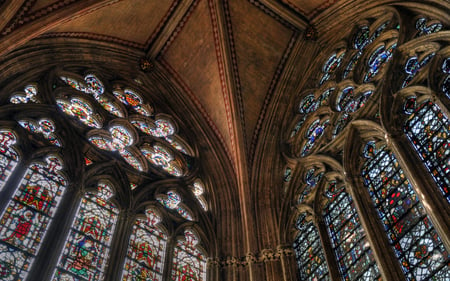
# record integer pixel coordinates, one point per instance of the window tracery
(189, 262)
(8, 155)
(25, 220)
(113, 124)
(309, 252)
(146, 250)
(412, 235)
(390, 81)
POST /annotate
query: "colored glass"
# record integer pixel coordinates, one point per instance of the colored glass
(131, 159)
(44, 127)
(445, 86)
(411, 234)
(25, 220)
(110, 106)
(146, 250)
(330, 66)
(94, 85)
(188, 262)
(377, 60)
(428, 130)
(81, 110)
(311, 179)
(424, 28)
(8, 156)
(161, 157)
(87, 247)
(315, 131)
(121, 137)
(29, 95)
(309, 252)
(413, 66)
(354, 256)
(74, 83)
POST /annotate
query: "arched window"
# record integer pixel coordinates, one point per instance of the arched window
(87, 248)
(105, 130)
(428, 130)
(415, 242)
(309, 252)
(25, 220)
(8, 156)
(189, 263)
(146, 250)
(348, 239)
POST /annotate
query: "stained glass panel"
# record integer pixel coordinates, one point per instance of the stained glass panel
(121, 137)
(413, 66)
(188, 262)
(351, 247)
(8, 156)
(29, 95)
(309, 252)
(445, 86)
(94, 85)
(414, 240)
(102, 143)
(24, 222)
(315, 131)
(81, 110)
(45, 127)
(74, 83)
(425, 28)
(110, 106)
(308, 104)
(330, 66)
(162, 157)
(377, 60)
(132, 159)
(87, 247)
(146, 250)
(428, 130)
(312, 178)
(129, 97)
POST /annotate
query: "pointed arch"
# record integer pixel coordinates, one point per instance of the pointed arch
(87, 247)
(25, 220)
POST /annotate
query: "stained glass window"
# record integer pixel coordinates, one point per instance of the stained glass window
(428, 130)
(161, 157)
(8, 156)
(425, 28)
(132, 159)
(314, 132)
(378, 59)
(309, 252)
(45, 127)
(351, 247)
(86, 251)
(445, 86)
(28, 95)
(413, 66)
(74, 83)
(312, 178)
(188, 262)
(110, 106)
(132, 99)
(26, 218)
(172, 201)
(94, 85)
(80, 109)
(330, 66)
(414, 240)
(146, 250)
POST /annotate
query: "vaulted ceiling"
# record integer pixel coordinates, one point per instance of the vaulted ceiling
(228, 55)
